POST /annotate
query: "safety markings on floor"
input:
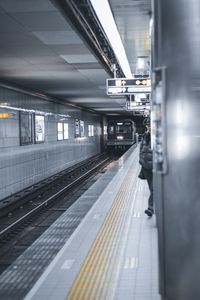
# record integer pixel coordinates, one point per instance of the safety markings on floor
(98, 276)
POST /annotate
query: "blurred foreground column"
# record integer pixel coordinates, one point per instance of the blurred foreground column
(176, 136)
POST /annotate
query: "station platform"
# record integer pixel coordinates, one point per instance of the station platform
(112, 254)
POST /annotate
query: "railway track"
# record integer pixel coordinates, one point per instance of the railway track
(44, 203)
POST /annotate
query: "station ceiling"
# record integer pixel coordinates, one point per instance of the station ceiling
(41, 51)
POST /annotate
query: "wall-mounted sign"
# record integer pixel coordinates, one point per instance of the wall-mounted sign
(66, 131)
(90, 130)
(39, 129)
(60, 131)
(26, 128)
(82, 128)
(6, 115)
(124, 86)
(132, 105)
(77, 128)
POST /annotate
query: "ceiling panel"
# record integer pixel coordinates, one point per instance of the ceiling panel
(28, 50)
(17, 38)
(40, 51)
(35, 21)
(62, 37)
(47, 60)
(79, 58)
(132, 18)
(26, 5)
(70, 49)
(7, 24)
(95, 75)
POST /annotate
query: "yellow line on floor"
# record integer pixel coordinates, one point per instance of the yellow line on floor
(97, 277)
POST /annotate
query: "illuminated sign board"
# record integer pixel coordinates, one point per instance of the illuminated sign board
(39, 129)
(124, 86)
(6, 115)
(137, 106)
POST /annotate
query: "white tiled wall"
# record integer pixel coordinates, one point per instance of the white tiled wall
(22, 166)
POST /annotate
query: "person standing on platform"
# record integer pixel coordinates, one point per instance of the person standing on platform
(146, 161)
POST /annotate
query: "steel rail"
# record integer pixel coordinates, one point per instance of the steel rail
(28, 215)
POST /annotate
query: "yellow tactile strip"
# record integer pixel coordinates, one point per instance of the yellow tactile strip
(99, 272)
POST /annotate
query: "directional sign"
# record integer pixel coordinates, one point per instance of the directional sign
(124, 86)
(138, 106)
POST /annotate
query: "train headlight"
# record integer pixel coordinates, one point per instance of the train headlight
(119, 137)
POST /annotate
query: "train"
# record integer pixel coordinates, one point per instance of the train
(121, 134)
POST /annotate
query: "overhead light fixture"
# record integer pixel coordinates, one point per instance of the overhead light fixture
(140, 63)
(150, 27)
(143, 64)
(5, 115)
(6, 106)
(105, 16)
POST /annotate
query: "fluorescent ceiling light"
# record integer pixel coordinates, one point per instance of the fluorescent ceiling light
(140, 63)
(104, 14)
(6, 106)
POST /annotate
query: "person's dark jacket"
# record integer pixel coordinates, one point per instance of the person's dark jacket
(146, 156)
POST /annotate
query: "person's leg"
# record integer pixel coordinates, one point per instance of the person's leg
(150, 201)
(149, 177)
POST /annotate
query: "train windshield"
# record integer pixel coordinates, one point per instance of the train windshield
(123, 127)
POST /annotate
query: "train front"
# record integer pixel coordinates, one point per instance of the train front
(121, 135)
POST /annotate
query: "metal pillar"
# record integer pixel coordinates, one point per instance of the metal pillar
(176, 126)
